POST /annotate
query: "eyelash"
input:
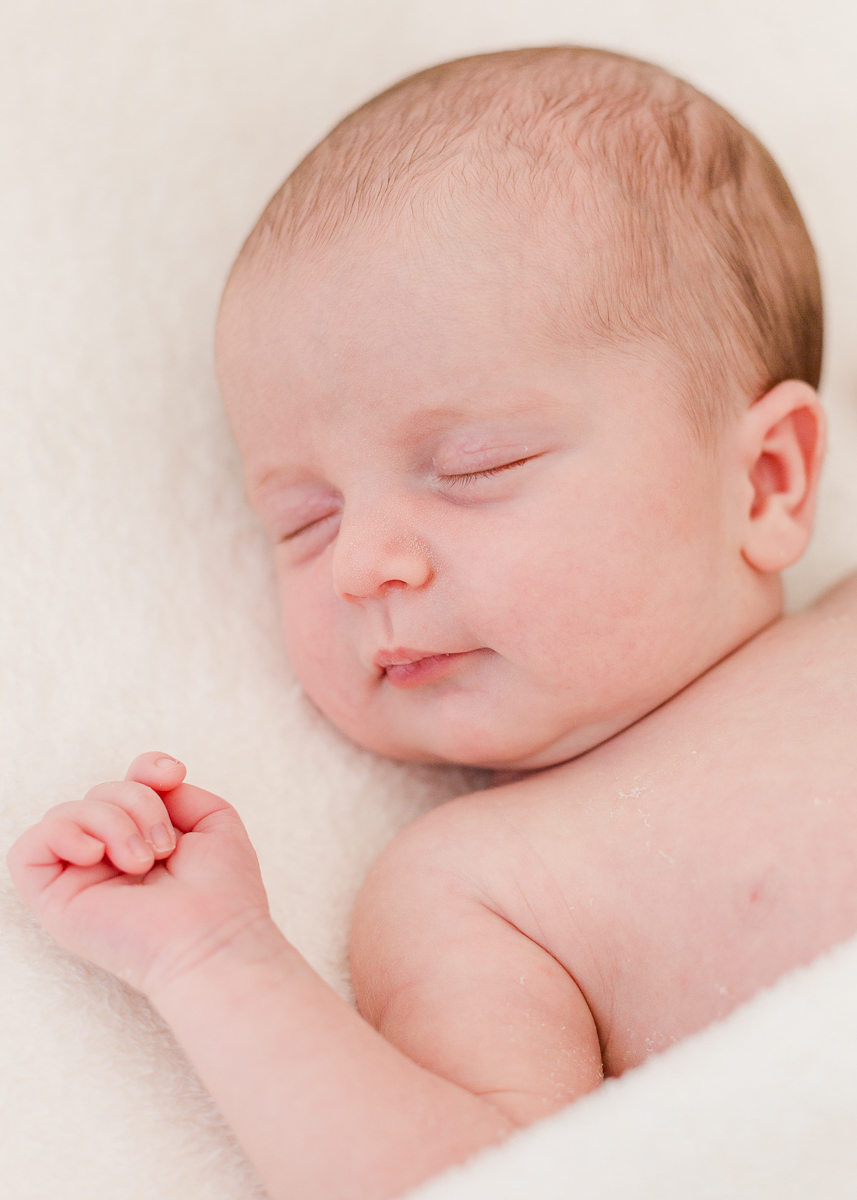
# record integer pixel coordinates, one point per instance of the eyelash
(458, 480)
(290, 537)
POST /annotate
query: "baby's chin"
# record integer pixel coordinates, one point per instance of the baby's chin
(506, 727)
(504, 752)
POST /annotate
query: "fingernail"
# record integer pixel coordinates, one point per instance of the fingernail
(161, 838)
(138, 847)
(166, 761)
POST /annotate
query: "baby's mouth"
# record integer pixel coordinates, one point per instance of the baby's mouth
(408, 668)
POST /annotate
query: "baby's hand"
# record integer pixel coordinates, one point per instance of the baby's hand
(146, 878)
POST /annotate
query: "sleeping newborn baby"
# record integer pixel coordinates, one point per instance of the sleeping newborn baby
(521, 364)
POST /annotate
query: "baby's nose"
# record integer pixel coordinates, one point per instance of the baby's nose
(374, 557)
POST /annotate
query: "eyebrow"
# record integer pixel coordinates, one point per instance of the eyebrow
(526, 401)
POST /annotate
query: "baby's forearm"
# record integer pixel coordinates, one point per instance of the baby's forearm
(324, 1107)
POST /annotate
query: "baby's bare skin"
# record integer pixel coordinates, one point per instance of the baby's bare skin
(671, 873)
(510, 943)
(502, 553)
(504, 542)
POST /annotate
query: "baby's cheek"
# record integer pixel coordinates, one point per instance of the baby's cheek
(318, 647)
(564, 602)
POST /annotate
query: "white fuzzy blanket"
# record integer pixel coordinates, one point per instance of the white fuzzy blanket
(137, 144)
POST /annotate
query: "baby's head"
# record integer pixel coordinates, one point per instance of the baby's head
(520, 362)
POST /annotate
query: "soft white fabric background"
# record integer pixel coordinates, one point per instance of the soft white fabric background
(138, 143)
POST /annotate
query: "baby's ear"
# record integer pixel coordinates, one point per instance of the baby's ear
(782, 445)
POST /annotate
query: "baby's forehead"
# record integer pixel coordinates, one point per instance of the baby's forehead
(491, 282)
(428, 405)
(497, 280)
(401, 337)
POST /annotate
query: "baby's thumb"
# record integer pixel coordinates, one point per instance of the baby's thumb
(161, 772)
(188, 805)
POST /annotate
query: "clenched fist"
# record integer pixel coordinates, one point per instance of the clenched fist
(146, 877)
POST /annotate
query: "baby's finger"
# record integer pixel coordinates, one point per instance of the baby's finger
(74, 832)
(157, 770)
(144, 806)
(34, 864)
(188, 805)
(65, 841)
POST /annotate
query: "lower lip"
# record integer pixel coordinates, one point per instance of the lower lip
(424, 670)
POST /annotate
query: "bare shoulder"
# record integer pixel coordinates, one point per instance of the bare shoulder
(473, 848)
(451, 855)
(442, 967)
(842, 597)
(829, 624)
(797, 678)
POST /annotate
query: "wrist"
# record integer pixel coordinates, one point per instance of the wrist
(245, 954)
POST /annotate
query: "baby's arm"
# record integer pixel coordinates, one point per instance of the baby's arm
(324, 1106)
(449, 980)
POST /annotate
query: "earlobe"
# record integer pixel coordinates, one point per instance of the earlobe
(782, 445)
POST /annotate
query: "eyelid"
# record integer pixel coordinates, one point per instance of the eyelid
(305, 528)
(289, 515)
(468, 476)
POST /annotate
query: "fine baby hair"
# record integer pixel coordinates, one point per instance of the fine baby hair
(692, 235)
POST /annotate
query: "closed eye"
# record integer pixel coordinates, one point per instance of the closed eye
(310, 525)
(470, 476)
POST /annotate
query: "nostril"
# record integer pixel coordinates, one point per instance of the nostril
(383, 589)
(364, 569)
